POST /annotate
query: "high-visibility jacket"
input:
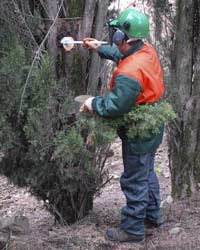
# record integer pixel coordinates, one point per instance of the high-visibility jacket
(144, 66)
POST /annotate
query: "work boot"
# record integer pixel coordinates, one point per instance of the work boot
(116, 234)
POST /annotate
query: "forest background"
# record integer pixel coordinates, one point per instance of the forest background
(44, 141)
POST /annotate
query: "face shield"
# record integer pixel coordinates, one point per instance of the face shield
(116, 36)
(112, 28)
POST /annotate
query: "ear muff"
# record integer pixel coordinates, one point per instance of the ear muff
(118, 37)
(126, 25)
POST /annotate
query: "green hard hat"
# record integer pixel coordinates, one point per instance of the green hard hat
(133, 23)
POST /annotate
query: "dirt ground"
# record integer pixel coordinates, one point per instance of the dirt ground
(180, 232)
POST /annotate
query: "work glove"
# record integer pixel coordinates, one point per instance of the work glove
(87, 105)
(88, 45)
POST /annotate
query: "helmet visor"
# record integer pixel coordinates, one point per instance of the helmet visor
(114, 23)
(112, 26)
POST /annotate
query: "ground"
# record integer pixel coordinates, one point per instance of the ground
(181, 231)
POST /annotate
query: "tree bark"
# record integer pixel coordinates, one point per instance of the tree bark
(184, 137)
(81, 67)
(52, 8)
(95, 66)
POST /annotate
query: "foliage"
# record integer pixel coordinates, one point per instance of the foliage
(68, 171)
(47, 147)
(143, 120)
(11, 83)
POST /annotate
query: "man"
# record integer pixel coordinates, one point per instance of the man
(138, 79)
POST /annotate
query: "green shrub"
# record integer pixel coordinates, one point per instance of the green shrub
(48, 147)
(143, 120)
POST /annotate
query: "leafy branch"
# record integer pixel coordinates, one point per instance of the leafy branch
(37, 55)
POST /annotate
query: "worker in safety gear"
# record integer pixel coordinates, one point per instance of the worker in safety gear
(137, 79)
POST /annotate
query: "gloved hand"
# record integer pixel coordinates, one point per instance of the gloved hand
(88, 45)
(87, 105)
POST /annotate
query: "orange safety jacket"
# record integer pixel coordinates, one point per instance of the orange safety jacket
(144, 66)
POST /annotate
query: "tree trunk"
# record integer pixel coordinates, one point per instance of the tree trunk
(78, 67)
(52, 10)
(95, 66)
(184, 154)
